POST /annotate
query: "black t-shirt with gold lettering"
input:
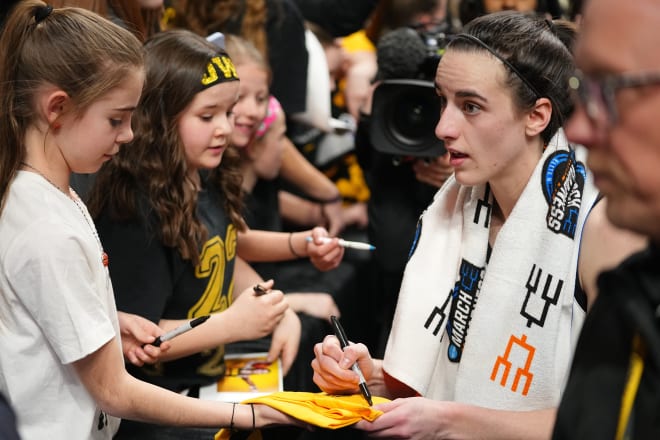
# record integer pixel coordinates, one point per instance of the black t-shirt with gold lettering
(152, 280)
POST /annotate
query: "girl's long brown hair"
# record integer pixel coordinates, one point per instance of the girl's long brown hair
(241, 17)
(154, 163)
(142, 22)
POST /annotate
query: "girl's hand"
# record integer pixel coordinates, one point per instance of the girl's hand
(286, 340)
(257, 316)
(137, 331)
(324, 256)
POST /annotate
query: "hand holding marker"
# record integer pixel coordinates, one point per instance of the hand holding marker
(258, 290)
(343, 342)
(179, 330)
(347, 244)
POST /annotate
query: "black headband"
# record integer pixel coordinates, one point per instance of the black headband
(219, 69)
(476, 40)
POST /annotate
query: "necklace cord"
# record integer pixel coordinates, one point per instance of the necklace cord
(73, 196)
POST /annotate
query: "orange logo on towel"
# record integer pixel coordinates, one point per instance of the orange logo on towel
(519, 357)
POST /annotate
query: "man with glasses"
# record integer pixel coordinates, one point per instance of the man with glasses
(614, 388)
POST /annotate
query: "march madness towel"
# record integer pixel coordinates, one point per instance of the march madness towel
(495, 332)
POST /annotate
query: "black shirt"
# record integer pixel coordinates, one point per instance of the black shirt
(153, 280)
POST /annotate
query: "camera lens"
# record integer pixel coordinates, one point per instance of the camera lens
(414, 116)
(403, 119)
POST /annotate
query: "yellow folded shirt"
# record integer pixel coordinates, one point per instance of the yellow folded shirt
(318, 409)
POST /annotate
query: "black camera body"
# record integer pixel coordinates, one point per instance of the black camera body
(405, 106)
(403, 118)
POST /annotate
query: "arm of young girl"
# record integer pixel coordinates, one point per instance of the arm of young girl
(318, 304)
(250, 316)
(258, 245)
(119, 394)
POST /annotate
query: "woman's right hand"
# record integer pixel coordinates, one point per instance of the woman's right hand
(332, 366)
(257, 316)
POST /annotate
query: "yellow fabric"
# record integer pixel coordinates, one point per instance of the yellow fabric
(318, 409)
(357, 41)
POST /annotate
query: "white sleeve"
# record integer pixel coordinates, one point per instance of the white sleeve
(52, 274)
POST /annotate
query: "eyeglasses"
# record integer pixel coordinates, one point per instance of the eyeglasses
(598, 96)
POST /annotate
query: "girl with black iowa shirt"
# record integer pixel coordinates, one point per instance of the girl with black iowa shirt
(168, 215)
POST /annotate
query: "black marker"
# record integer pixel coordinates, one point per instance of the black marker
(258, 290)
(179, 330)
(343, 341)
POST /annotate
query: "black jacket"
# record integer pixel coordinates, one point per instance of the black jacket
(337, 17)
(628, 301)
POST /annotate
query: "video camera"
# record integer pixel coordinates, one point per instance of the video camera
(405, 106)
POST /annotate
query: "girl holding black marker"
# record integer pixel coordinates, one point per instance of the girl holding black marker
(67, 107)
(168, 209)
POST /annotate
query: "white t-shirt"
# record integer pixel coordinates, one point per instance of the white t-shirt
(56, 307)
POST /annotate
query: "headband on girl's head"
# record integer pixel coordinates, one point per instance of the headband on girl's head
(219, 69)
(274, 109)
(476, 40)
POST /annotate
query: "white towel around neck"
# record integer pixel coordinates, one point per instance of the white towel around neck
(537, 328)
